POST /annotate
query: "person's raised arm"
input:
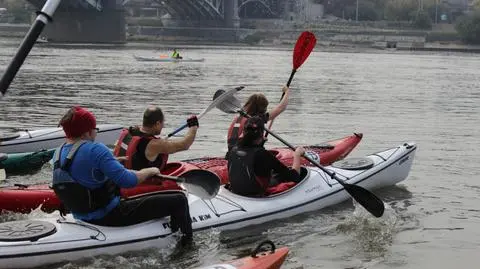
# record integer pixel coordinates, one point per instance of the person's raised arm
(277, 110)
(169, 146)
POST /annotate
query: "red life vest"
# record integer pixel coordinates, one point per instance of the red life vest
(235, 131)
(127, 145)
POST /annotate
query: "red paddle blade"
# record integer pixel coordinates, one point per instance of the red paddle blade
(305, 43)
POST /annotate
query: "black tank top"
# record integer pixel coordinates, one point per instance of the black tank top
(139, 160)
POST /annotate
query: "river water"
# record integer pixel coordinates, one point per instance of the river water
(432, 218)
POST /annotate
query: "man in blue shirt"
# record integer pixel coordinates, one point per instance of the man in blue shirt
(87, 178)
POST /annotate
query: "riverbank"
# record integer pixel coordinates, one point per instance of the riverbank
(325, 46)
(341, 41)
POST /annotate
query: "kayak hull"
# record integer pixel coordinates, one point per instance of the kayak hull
(264, 260)
(24, 199)
(24, 163)
(50, 138)
(85, 246)
(227, 211)
(168, 60)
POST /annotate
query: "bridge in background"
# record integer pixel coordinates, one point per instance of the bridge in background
(99, 21)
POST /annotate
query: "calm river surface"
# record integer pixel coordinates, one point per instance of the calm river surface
(433, 220)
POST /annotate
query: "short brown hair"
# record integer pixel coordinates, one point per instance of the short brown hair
(151, 116)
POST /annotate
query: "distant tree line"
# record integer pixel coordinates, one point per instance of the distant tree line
(468, 27)
(421, 13)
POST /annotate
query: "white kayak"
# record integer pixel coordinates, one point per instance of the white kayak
(68, 239)
(167, 59)
(49, 138)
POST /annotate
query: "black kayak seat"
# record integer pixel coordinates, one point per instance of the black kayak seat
(3, 157)
(8, 137)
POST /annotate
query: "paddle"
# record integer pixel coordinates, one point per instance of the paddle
(304, 46)
(3, 175)
(364, 197)
(201, 183)
(44, 16)
(227, 102)
(221, 97)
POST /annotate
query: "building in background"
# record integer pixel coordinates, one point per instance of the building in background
(303, 10)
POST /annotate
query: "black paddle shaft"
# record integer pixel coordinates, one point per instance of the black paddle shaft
(27, 44)
(289, 81)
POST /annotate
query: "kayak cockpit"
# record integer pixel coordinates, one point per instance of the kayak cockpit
(285, 187)
(279, 189)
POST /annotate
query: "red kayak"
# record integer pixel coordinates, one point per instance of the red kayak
(25, 198)
(272, 259)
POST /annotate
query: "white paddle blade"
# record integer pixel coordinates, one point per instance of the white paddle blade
(219, 99)
(230, 105)
(201, 183)
(3, 175)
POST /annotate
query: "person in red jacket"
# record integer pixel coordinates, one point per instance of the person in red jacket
(250, 165)
(142, 146)
(256, 105)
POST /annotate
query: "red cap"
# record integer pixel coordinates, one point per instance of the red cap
(82, 121)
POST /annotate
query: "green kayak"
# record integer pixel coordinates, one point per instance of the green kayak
(25, 163)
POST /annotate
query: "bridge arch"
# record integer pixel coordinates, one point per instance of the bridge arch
(255, 9)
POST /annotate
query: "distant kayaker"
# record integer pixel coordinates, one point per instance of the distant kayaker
(250, 166)
(256, 105)
(87, 179)
(142, 146)
(176, 55)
